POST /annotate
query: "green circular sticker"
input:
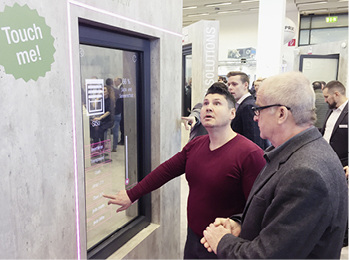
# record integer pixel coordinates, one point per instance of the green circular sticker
(26, 43)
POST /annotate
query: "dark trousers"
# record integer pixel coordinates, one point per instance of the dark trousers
(122, 128)
(194, 249)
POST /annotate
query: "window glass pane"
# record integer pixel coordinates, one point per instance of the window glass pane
(305, 22)
(304, 37)
(320, 22)
(328, 35)
(342, 20)
(109, 117)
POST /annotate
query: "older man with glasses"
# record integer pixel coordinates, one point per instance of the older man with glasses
(298, 205)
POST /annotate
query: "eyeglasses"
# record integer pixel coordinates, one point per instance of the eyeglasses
(257, 109)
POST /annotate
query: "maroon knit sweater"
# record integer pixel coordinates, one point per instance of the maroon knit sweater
(219, 180)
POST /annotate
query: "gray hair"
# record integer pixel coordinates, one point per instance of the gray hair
(291, 89)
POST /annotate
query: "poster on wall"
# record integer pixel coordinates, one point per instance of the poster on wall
(94, 96)
(27, 46)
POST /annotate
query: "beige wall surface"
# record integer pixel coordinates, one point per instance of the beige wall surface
(327, 49)
(42, 146)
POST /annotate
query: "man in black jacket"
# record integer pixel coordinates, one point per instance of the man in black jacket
(243, 122)
(335, 128)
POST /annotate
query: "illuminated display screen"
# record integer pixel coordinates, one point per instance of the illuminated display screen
(110, 135)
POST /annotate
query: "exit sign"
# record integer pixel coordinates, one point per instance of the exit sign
(331, 19)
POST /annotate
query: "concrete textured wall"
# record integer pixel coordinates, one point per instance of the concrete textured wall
(38, 211)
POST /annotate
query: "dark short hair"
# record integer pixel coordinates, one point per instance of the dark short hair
(316, 85)
(221, 89)
(335, 85)
(109, 82)
(243, 76)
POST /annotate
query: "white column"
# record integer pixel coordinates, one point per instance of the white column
(203, 36)
(270, 37)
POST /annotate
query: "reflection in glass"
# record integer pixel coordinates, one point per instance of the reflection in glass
(109, 90)
(188, 86)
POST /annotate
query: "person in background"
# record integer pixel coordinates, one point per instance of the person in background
(320, 104)
(257, 83)
(335, 127)
(298, 205)
(243, 122)
(187, 98)
(255, 86)
(220, 169)
(101, 123)
(192, 122)
(118, 114)
(109, 82)
(222, 79)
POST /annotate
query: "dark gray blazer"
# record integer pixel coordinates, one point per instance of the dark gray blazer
(297, 207)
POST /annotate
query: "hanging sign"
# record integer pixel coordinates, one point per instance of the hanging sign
(331, 19)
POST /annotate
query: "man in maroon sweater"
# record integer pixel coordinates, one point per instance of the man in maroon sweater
(220, 169)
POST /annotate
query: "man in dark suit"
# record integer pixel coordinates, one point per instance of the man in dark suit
(243, 122)
(335, 128)
(298, 205)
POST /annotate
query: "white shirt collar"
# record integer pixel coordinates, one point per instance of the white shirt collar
(341, 107)
(243, 97)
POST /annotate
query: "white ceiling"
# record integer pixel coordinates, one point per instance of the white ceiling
(214, 9)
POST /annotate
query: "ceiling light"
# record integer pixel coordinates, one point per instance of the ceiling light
(312, 3)
(229, 11)
(315, 11)
(340, 9)
(189, 7)
(201, 14)
(248, 1)
(216, 4)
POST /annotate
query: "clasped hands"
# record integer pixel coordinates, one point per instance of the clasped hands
(215, 231)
